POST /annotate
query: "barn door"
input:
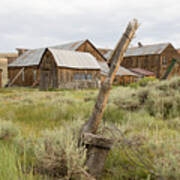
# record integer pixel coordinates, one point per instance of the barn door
(45, 80)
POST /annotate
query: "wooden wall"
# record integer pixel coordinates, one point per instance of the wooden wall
(124, 80)
(29, 75)
(148, 62)
(153, 63)
(0, 78)
(88, 47)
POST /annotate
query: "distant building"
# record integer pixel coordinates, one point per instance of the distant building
(155, 58)
(0, 78)
(9, 56)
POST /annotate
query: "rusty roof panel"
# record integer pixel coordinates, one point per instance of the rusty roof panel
(125, 72)
(142, 72)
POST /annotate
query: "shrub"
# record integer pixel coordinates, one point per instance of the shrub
(8, 130)
(58, 155)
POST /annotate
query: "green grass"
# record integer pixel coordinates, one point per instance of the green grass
(147, 118)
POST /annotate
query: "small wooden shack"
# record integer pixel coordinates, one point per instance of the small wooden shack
(68, 69)
(30, 60)
(125, 77)
(0, 78)
(155, 58)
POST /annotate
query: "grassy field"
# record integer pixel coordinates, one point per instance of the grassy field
(38, 132)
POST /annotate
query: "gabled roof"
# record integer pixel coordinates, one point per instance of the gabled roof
(147, 50)
(73, 46)
(75, 60)
(153, 49)
(33, 57)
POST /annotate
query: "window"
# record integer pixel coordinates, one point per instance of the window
(164, 60)
(89, 76)
(34, 75)
(76, 76)
(23, 75)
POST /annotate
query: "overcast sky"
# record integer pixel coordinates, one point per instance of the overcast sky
(39, 23)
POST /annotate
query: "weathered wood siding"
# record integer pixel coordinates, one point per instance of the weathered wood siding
(78, 79)
(148, 62)
(124, 80)
(30, 75)
(48, 72)
(153, 63)
(88, 47)
(167, 56)
(0, 78)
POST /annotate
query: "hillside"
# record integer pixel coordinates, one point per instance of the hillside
(38, 132)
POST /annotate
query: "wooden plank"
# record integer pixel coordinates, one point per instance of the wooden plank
(15, 78)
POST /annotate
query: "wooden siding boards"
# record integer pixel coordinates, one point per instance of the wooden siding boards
(0, 78)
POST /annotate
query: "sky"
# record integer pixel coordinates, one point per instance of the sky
(42, 23)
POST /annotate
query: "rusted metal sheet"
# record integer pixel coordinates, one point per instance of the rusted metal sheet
(142, 72)
(125, 72)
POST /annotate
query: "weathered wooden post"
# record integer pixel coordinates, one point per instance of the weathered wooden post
(98, 147)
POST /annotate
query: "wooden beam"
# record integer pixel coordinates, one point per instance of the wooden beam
(92, 124)
(17, 75)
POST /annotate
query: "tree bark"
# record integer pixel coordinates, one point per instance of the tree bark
(92, 124)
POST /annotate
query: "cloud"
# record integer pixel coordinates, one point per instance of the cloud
(38, 23)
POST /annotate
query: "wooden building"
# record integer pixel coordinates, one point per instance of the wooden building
(9, 56)
(125, 77)
(68, 69)
(4, 73)
(155, 58)
(0, 78)
(31, 61)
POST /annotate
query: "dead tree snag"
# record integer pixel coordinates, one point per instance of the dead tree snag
(98, 147)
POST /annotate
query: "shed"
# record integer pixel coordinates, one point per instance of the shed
(125, 76)
(30, 61)
(68, 69)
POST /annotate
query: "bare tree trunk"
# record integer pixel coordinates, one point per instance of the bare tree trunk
(92, 124)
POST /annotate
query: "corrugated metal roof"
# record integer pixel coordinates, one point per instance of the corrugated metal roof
(29, 58)
(70, 46)
(142, 72)
(71, 59)
(33, 57)
(125, 72)
(147, 50)
(140, 51)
